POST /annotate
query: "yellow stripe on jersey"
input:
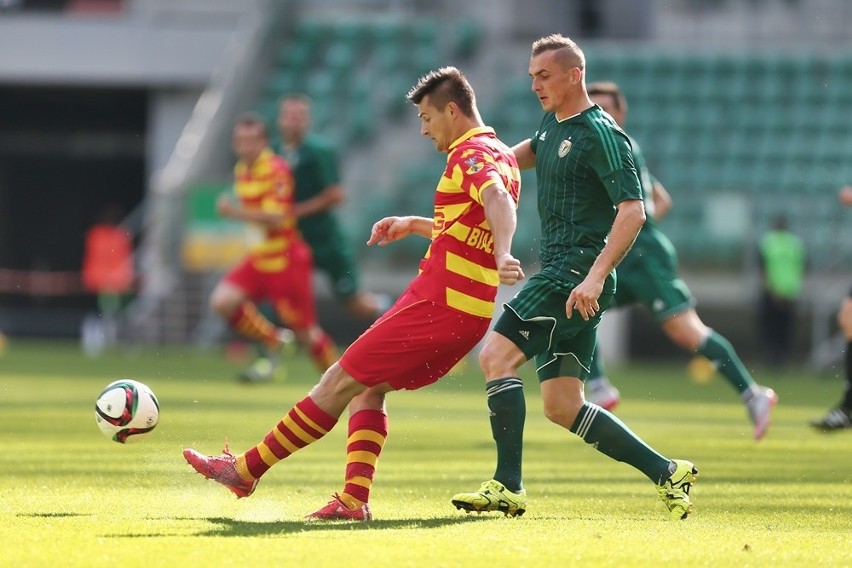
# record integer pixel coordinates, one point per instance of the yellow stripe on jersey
(274, 264)
(458, 231)
(471, 270)
(457, 179)
(469, 304)
(272, 245)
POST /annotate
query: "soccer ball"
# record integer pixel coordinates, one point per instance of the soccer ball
(126, 411)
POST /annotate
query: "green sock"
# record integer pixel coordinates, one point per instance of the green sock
(719, 350)
(612, 437)
(508, 412)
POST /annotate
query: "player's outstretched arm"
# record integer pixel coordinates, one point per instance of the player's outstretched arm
(390, 229)
(662, 201)
(501, 217)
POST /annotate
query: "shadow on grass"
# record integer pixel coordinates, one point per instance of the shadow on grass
(236, 528)
(54, 515)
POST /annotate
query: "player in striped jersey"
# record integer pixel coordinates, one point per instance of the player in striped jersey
(278, 265)
(441, 316)
(591, 209)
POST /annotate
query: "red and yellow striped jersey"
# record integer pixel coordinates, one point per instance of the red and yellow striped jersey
(267, 185)
(459, 269)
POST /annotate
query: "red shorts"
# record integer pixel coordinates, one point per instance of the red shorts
(413, 344)
(290, 290)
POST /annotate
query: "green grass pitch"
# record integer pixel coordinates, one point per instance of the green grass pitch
(71, 497)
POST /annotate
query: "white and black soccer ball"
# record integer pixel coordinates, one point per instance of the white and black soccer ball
(127, 411)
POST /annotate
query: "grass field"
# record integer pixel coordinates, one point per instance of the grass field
(70, 497)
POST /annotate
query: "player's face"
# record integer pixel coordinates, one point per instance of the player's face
(248, 142)
(294, 118)
(436, 124)
(551, 82)
(608, 104)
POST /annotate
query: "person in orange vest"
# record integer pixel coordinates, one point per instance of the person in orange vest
(108, 273)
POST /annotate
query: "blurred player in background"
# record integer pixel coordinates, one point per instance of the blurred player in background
(441, 316)
(590, 205)
(278, 265)
(840, 417)
(648, 275)
(318, 193)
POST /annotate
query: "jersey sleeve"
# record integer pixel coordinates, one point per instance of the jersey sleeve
(611, 158)
(474, 170)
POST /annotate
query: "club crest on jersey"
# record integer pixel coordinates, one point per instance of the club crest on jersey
(473, 165)
(564, 148)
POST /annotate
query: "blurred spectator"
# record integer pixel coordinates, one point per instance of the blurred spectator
(107, 273)
(782, 269)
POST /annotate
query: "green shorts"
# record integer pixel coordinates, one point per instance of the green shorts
(535, 321)
(648, 275)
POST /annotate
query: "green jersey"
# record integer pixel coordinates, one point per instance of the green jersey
(315, 168)
(584, 167)
(650, 234)
(647, 181)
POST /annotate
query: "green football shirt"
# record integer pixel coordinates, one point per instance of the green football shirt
(315, 167)
(584, 167)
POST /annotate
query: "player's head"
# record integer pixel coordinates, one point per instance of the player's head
(249, 137)
(446, 105)
(558, 69)
(294, 117)
(609, 97)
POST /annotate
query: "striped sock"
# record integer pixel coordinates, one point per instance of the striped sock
(249, 322)
(368, 430)
(303, 425)
(610, 436)
(323, 352)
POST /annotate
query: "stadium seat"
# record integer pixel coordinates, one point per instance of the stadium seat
(468, 37)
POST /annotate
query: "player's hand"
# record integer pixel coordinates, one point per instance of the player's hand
(509, 269)
(224, 206)
(584, 299)
(388, 230)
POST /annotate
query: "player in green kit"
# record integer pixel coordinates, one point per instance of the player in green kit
(318, 193)
(591, 209)
(648, 275)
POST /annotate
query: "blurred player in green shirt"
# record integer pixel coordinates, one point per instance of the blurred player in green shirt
(648, 275)
(318, 193)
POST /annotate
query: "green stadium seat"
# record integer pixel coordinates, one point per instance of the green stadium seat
(468, 37)
(424, 32)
